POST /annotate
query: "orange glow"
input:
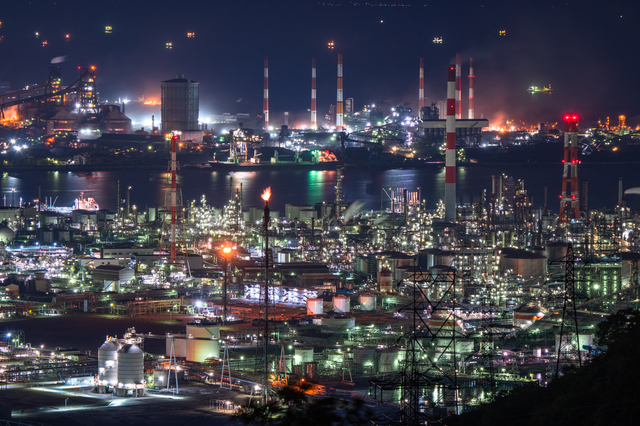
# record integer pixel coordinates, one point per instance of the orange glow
(266, 194)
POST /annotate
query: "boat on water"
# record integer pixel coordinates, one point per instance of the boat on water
(82, 203)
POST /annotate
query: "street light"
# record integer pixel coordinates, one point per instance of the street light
(266, 195)
(227, 252)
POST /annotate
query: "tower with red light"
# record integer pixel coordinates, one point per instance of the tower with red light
(570, 199)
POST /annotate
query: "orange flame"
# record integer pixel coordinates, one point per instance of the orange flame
(266, 194)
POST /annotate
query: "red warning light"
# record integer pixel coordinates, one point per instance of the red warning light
(573, 197)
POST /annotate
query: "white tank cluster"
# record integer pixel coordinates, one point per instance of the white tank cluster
(121, 365)
(200, 342)
(367, 301)
(341, 303)
(314, 306)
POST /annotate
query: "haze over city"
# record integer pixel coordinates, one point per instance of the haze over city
(583, 49)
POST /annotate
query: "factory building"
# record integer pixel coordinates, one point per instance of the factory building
(598, 277)
(180, 108)
(468, 131)
(200, 341)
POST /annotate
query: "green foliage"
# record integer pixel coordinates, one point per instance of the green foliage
(616, 326)
(292, 407)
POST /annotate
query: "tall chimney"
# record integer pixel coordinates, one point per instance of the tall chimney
(450, 158)
(421, 88)
(471, 113)
(458, 88)
(314, 115)
(265, 106)
(339, 122)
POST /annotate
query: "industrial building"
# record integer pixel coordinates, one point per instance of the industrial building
(180, 108)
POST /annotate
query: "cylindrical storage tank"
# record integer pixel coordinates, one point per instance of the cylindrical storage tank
(314, 306)
(108, 363)
(556, 250)
(302, 356)
(367, 301)
(537, 352)
(341, 303)
(130, 365)
(364, 356)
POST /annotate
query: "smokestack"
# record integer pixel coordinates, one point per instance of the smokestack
(458, 88)
(471, 116)
(339, 123)
(286, 118)
(265, 106)
(620, 192)
(314, 115)
(421, 87)
(173, 194)
(450, 158)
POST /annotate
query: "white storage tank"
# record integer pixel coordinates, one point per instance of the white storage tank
(367, 301)
(130, 365)
(341, 303)
(198, 350)
(108, 363)
(314, 306)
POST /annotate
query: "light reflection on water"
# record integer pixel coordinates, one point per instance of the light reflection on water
(310, 186)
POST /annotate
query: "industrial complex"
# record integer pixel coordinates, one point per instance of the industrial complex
(423, 313)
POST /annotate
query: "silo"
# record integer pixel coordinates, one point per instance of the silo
(367, 301)
(556, 250)
(130, 365)
(314, 306)
(108, 363)
(341, 303)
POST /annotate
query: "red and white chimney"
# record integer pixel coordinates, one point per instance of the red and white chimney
(471, 113)
(450, 156)
(314, 115)
(265, 104)
(339, 111)
(421, 87)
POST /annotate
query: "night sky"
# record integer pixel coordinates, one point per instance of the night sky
(586, 50)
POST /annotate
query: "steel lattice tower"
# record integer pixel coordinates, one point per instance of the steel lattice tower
(428, 388)
(568, 346)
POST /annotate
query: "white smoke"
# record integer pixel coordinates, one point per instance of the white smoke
(354, 208)
(58, 59)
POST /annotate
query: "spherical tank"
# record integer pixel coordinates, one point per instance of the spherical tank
(341, 303)
(314, 306)
(108, 363)
(130, 364)
(367, 301)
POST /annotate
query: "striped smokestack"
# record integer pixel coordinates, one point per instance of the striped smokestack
(265, 105)
(450, 159)
(339, 122)
(471, 113)
(314, 116)
(421, 88)
(458, 88)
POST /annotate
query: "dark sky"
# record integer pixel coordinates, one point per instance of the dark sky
(586, 50)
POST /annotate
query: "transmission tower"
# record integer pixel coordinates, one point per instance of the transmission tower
(568, 345)
(428, 382)
(488, 385)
